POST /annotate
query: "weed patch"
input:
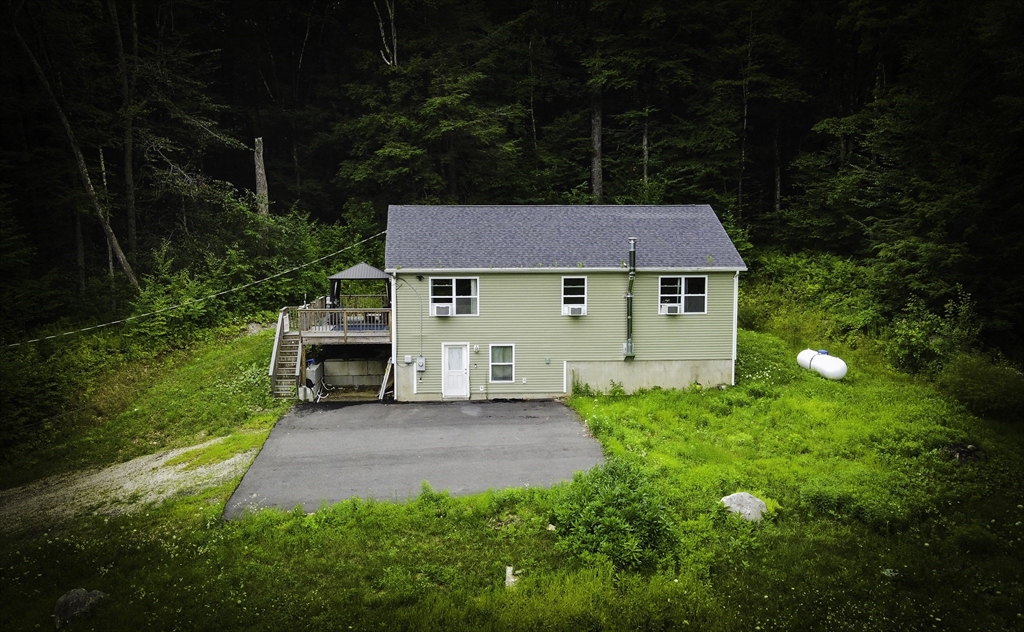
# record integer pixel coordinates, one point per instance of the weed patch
(177, 401)
(614, 514)
(220, 451)
(880, 515)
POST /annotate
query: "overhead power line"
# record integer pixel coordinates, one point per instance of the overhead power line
(198, 300)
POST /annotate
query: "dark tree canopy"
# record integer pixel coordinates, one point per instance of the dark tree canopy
(886, 132)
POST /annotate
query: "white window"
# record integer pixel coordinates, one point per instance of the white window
(503, 363)
(683, 295)
(453, 297)
(574, 296)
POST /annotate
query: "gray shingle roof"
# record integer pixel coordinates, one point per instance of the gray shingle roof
(480, 237)
(360, 271)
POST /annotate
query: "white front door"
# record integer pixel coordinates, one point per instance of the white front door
(456, 370)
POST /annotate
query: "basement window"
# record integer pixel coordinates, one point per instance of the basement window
(683, 295)
(503, 363)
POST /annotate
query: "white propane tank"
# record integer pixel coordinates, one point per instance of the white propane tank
(826, 365)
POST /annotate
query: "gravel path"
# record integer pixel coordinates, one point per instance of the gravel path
(111, 491)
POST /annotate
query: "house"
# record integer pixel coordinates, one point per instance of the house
(518, 302)
(526, 301)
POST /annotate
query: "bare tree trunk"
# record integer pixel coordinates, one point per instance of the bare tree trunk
(110, 252)
(743, 151)
(127, 119)
(79, 252)
(79, 159)
(596, 179)
(778, 171)
(390, 52)
(646, 149)
(746, 107)
(295, 161)
(533, 117)
(262, 199)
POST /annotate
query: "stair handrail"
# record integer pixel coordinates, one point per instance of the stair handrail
(277, 344)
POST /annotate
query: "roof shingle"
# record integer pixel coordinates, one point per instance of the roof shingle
(508, 237)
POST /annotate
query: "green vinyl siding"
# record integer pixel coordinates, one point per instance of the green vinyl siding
(524, 310)
(683, 336)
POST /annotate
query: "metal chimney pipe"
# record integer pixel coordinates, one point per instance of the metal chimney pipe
(627, 348)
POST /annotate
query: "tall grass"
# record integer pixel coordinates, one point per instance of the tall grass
(879, 517)
(169, 401)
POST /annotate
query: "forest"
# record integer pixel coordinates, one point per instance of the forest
(878, 140)
(172, 172)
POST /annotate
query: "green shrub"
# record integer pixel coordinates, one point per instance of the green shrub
(176, 302)
(986, 388)
(922, 341)
(836, 296)
(615, 513)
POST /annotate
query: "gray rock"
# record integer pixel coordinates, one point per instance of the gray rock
(747, 505)
(74, 604)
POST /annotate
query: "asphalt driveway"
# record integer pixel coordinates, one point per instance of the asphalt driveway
(328, 453)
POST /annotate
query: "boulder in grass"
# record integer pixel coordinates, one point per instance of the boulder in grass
(74, 604)
(747, 505)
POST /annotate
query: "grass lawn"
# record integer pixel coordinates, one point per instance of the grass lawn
(874, 522)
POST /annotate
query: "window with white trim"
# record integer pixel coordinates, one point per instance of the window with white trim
(503, 363)
(574, 296)
(683, 295)
(453, 296)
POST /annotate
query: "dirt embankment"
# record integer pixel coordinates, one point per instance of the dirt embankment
(114, 490)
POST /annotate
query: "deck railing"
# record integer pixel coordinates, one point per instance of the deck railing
(277, 342)
(345, 322)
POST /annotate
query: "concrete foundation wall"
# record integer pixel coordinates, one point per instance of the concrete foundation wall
(354, 372)
(650, 373)
(632, 375)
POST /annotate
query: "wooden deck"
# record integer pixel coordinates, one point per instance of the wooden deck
(358, 320)
(317, 324)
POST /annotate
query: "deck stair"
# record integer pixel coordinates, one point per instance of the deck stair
(283, 379)
(344, 320)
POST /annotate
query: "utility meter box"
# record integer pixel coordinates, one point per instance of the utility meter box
(421, 364)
